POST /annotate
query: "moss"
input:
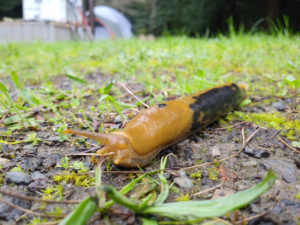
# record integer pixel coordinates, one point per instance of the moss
(196, 175)
(213, 173)
(289, 125)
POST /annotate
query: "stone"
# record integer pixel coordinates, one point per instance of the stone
(9, 213)
(183, 181)
(215, 151)
(118, 119)
(289, 178)
(188, 153)
(37, 175)
(9, 165)
(256, 153)
(18, 177)
(116, 126)
(171, 161)
(279, 106)
(221, 193)
(251, 163)
(3, 161)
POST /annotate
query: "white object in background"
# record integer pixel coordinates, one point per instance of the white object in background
(113, 19)
(53, 10)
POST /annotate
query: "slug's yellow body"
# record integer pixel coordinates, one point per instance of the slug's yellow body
(164, 124)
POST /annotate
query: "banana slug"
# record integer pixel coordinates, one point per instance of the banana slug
(165, 124)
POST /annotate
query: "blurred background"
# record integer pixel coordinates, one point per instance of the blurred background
(115, 18)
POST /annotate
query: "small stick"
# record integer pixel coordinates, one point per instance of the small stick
(207, 190)
(30, 212)
(254, 217)
(244, 144)
(224, 128)
(288, 145)
(32, 199)
(133, 94)
(113, 172)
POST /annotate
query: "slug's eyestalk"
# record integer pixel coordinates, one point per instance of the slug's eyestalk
(116, 143)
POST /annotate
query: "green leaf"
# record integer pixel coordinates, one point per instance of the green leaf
(212, 208)
(71, 75)
(108, 87)
(289, 78)
(4, 90)
(147, 221)
(15, 79)
(119, 198)
(245, 102)
(82, 213)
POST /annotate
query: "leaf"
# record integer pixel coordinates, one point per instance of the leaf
(15, 79)
(4, 90)
(108, 87)
(245, 102)
(82, 213)
(289, 78)
(119, 198)
(71, 75)
(148, 221)
(212, 208)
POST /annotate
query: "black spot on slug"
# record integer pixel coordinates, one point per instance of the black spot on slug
(212, 102)
(161, 105)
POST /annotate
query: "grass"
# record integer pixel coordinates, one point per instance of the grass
(196, 63)
(168, 66)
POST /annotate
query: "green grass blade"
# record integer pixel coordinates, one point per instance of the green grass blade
(164, 187)
(130, 186)
(212, 208)
(120, 198)
(82, 213)
(148, 221)
(15, 79)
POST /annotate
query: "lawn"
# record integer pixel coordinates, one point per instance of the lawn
(75, 84)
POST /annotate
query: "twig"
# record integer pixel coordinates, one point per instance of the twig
(235, 125)
(288, 145)
(3, 118)
(49, 223)
(133, 94)
(244, 144)
(207, 190)
(254, 217)
(30, 212)
(33, 199)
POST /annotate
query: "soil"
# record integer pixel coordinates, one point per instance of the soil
(265, 151)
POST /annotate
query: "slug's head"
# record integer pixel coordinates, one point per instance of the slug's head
(114, 143)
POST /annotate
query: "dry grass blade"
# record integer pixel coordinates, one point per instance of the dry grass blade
(286, 144)
(207, 190)
(133, 94)
(30, 212)
(254, 217)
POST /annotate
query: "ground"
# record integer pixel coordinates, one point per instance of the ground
(52, 85)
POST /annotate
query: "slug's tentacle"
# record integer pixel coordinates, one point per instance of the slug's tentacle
(102, 138)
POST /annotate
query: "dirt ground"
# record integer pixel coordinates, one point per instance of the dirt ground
(263, 152)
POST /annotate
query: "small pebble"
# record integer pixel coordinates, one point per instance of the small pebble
(9, 213)
(256, 153)
(18, 177)
(37, 175)
(171, 161)
(116, 126)
(183, 181)
(118, 119)
(3, 161)
(221, 193)
(289, 178)
(215, 151)
(279, 106)
(188, 153)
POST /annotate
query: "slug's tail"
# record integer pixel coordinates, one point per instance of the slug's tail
(102, 138)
